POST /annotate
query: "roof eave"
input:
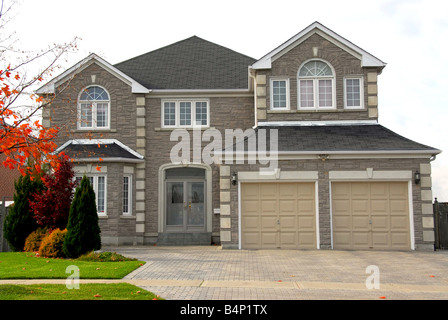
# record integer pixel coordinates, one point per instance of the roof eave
(367, 60)
(50, 87)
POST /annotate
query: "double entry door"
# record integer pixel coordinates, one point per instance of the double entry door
(185, 206)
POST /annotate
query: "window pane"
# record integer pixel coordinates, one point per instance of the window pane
(201, 113)
(325, 93)
(306, 93)
(185, 113)
(279, 94)
(126, 195)
(169, 114)
(353, 87)
(315, 69)
(86, 115)
(94, 94)
(101, 115)
(101, 194)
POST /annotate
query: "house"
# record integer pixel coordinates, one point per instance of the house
(8, 177)
(195, 143)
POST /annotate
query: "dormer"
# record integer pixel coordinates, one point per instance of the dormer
(317, 75)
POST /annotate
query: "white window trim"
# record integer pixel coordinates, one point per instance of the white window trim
(129, 213)
(361, 92)
(272, 93)
(95, 188)
(94, 111)
(177, 113)
(316, 88)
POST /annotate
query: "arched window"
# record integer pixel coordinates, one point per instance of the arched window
(316, 85)
(94, 108)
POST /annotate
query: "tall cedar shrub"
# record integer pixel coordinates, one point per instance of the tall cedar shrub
(20, 221)
(83, 231)
(52, 206)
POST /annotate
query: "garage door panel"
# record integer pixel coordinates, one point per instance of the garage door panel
(307, 240)
(380, 223)
(306, 207)
(400, 240)
(268, 240)
(360, 239)
(360, 223)
(285, 210)
(251, 222)
(341, 223)
(268, 207)
(370, 215)
(251, 239)
(380, 240)
(343, 239)
(306, 223)
(306, 191)
(288, 239)
(288, 206)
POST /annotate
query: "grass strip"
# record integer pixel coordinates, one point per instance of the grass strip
(87, 291)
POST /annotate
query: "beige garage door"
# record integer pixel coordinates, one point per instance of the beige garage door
(371, 215)
(278, 215)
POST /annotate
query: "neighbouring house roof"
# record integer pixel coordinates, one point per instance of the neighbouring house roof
(340, 139)
(104, 150)
(193, 63)
(367, 59)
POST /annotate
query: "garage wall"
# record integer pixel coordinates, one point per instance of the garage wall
(421, 194)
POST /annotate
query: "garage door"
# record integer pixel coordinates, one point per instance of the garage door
(278, 215)
(371, 215)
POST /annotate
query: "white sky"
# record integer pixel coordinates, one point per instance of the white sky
(410, 35)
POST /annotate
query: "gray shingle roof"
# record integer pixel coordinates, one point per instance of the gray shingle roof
(94, 151)
(192, 63)
(342, 138)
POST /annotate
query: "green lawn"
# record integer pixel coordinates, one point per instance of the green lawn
(86, 291)
(25, 265)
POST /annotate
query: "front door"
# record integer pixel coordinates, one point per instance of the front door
(185, 206)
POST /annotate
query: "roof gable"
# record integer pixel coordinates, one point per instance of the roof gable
(190, 64)
(367, 60)
(49, 88)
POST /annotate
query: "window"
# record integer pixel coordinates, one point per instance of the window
(316, 85)
(353, 93)
(279, 94)
(99, 187)
(127, 195)
(94, 108)
(185, 113)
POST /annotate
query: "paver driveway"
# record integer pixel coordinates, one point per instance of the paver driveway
(210, 273)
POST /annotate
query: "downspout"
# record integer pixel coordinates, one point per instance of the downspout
(251, 75)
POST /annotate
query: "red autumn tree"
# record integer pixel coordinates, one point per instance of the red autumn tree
(52, 205)
(22, 136)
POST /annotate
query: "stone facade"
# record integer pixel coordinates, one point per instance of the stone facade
(136, 121)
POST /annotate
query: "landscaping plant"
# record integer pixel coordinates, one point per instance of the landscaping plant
(83, 231)
(20, 222)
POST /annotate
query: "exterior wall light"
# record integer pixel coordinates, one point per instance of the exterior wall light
(417, 177)
(234, 178)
